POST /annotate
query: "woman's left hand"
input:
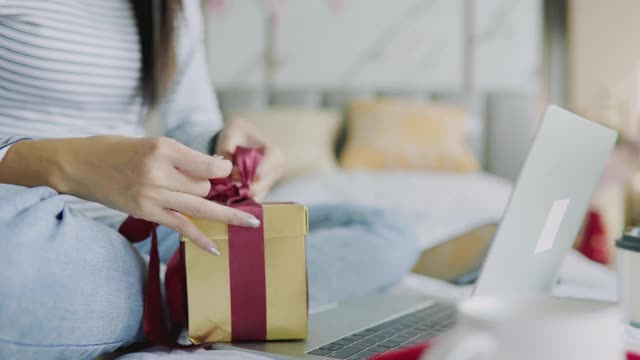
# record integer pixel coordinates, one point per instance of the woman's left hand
(240, 132)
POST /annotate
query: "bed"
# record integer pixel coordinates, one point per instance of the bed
(454, 212)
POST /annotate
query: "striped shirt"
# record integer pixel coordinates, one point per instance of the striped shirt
(71, 68)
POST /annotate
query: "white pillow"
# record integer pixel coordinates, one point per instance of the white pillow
(306, 137)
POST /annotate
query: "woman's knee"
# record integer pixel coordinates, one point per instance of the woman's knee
(76, 284)
(381, 236)
(355, 250)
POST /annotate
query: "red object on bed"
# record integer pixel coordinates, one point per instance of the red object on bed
(414, 353)
(593, 242)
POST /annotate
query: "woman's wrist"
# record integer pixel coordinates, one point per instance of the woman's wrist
(36, 163)
(56, 162)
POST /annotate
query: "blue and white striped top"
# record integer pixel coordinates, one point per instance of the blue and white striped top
(71, 68)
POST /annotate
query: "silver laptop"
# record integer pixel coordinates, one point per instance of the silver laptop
(539, 225)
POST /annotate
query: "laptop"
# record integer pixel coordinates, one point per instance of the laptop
(541, 221)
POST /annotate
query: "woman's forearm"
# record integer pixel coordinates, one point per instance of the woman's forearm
(156, 179)
(36, 163)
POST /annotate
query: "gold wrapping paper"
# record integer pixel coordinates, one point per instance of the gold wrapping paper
(208, 292)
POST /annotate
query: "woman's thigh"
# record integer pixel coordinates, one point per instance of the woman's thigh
(354, 250)
(70, 286)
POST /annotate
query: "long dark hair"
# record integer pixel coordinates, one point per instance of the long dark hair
(156, 22)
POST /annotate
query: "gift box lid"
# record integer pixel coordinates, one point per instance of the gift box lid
(280, 219)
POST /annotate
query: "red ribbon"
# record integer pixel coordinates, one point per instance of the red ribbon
(246, 264)
(246, 251)
(247, 278)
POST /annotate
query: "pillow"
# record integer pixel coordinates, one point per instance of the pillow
(389, 133)
(306, 137)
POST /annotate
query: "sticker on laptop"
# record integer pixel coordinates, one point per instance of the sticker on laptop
(552, 225)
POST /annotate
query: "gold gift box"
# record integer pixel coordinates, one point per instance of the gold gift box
(208, 289)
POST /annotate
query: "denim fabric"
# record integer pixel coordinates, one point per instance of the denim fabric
(72, 288)
(354, 250)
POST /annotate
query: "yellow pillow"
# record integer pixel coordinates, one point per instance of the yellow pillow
(306, 137)
(396, 134)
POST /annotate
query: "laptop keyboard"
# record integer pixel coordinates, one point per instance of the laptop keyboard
(416, 327)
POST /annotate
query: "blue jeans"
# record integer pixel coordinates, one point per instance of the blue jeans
(72, 288)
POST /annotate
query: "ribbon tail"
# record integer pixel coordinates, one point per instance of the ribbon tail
(136, 230)
(153, 320)
(175, 288)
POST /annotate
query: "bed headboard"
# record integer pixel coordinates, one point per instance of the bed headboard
(484, 55)
(494, 126)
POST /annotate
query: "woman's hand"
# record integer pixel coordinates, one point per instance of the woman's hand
(156, 179)
(239, 132)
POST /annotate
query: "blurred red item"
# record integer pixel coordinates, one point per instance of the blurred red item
(336, 5)
(414, 353)
(593, 243)
(409, 353)
(217, 5)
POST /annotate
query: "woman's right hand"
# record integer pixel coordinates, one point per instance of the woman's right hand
(156, 179)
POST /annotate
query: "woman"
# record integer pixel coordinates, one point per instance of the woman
(75, 78)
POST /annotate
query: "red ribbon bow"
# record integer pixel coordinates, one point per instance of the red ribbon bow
(228, 191)
(248, 291)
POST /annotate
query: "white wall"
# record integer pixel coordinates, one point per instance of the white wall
(507, 36)
(415, 44)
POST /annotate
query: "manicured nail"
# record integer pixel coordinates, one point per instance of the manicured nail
(215, 251)
(251, 221)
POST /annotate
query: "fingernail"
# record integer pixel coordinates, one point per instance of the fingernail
(251, 221)
(215, 251)
(219, 157)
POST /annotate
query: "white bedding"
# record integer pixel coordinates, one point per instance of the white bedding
(579, 278)
(441, 205)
